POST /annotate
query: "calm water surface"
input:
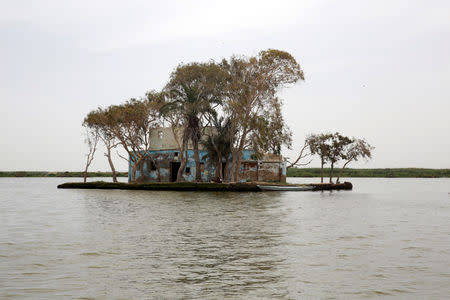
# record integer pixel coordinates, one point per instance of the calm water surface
(388, 238)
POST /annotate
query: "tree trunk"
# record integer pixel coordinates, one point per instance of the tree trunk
(181, 169)
(183, 158)
(238, 166)
(342, 171)
(226, 173)
(198, 171)
(234, 159)
(231, 171)
(219, 172)
(321, 171)
(159, 170)
(237, 157)
(85, 174)
(113, 170)
(133, 171)
(331, 172)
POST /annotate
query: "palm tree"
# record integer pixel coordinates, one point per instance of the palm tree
(218, 144)
(192, 92)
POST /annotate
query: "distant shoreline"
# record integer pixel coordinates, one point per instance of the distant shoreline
(293, 172)
(58, 174)
(372, 173)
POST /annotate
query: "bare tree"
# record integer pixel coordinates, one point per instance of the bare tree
(91, 141)
(302, 155)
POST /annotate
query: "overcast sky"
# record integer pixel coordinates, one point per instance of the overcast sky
(374, 69)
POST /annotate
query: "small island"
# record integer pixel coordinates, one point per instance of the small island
(214, 126)
(194, 186)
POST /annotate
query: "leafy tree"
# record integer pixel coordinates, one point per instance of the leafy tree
(270, 132)
(217, 144)
(336, 150)
(320, 144)
(192, 91)
(98, 120)
(252, 85)
(357, 149)
(132, 123)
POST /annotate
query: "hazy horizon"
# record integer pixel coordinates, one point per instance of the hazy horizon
(375, 70)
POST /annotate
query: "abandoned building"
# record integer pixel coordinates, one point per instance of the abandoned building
(166, 162)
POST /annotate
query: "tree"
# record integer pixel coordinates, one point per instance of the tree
(320, 144)
(192, 92)
(217, 144)
(176, 121)
(336, 150)
(302, 154)
(98, 120)
(91, 141)
(269, 131)
(359, 148)
(132, 123)
(251, 88)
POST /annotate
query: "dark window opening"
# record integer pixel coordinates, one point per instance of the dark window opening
(152, 166)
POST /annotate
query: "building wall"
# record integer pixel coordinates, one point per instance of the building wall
(164, 138)
(266, 169)
(160, 170)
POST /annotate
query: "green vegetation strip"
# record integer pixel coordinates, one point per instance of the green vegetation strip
(292, 172)
(58, 174)
(388, 173)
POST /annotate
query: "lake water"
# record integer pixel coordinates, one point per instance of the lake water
(388, 238)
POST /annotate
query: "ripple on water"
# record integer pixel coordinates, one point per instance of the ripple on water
(90, 254)
(91, 244)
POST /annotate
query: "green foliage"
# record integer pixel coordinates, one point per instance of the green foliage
(217, 144)
(192, 93)
(241, 89)
(389, 173)
(270, 132)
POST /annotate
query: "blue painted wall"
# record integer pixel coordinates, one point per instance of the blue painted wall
(165, 157)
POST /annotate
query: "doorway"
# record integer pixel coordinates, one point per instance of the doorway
(224, 164)
(174, 167)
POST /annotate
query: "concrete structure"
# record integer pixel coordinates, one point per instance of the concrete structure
(166, 163)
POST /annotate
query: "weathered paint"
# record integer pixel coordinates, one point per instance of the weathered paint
(166, 138)
(159, 170)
